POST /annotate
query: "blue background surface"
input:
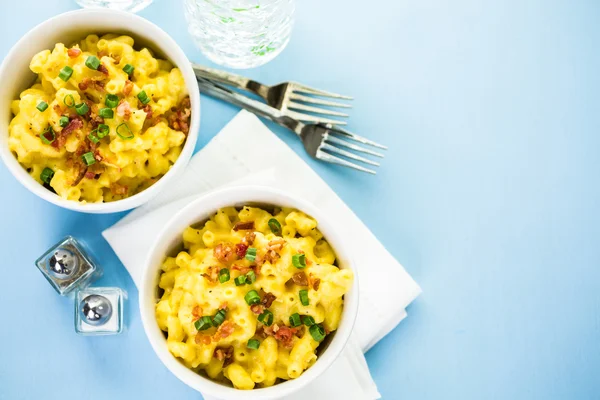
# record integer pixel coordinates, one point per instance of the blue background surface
(489, 196)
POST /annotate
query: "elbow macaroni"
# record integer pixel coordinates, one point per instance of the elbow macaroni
(192, 292)
(121, 167)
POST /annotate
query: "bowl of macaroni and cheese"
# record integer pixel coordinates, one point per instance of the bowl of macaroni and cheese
(99, 109)
(248, 293)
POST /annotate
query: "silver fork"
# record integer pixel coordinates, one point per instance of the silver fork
(322, 141)
(291, 98)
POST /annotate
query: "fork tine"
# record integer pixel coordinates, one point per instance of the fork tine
(345, 153)
(352, 146)
(353, 136)
(312, 118)
(305, 107)
(316, 100)
(321, 155)
(298, 87)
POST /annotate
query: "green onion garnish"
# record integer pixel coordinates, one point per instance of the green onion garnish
(303, 297)
(128, 69)
(253, 344)
(92, 62)
(251, 254)
(92, 136)
(308, 320)
(240, 280)
(42, 106)
(106, 113)
(65, 73)
(266, 318)
(252, 298)
(82, 108)
(111, 101)
(143, 97)
(299, 261)
(295, 320)
(275, 226)
(63, 121)
(224, 275)
(103, 130)
(250, 277)
(317, 332)
(203, 323)
(46, 175)
(88, 158)
(219, 318)
(124, 132)
(45, 138)
(69, 101)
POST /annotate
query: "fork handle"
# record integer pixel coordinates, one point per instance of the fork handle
(232, 79)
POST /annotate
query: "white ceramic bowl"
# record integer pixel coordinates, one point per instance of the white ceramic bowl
(16, 76)
(169, 238)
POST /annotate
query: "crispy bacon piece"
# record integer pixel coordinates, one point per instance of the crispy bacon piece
(90, 175)
(224, 330)
(73, 52)
(102, 53)
(212, 274)
(148, 110)
(197, 312)
(268, 299)
(241, 249)
(118, 189)
(102, 68)
(271, 256)
(225, 355)
(85, 83)
(223, 306)
(260, 332)
(244, 226)
(249, 238)
(316, 283)
(257, 309)
(98, 156)
(128, 87)
(225, 252)
(243, 269)
(202, 339)
(179, 117)
(81, 173)
(74, 124)
(124, 110)
(285, 335)
(276, 244)
(300, 279)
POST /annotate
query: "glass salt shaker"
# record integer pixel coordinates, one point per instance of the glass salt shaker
(99, 311)
(67, 266)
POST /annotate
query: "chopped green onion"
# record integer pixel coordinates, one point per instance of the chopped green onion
(275, 226)
(252, 298)
(295, 320)
(63, 121)
(224, 275)
(299, 261)
(308, 320)
(111, 101)
(92, 62)
(250, 277)
(128, 69)
(124, 132)
(253, 344)
(251, 254)
(92, 136)
(42, 106)
(266, 318)
(219, 318)
(45, 138)
(240, 280)
(106, 113)
(82, 108)
(303, 297)
(317, 332)
(103, 130)
(88, 158)
(65, 73)
(46, 175)
(69, 101)
(203, 323)
(143, 97)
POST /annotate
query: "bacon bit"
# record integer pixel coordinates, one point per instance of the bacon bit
(197, 312)
(300, 332)
(257, 309)
(243, 269)
(179, 117)
(202, 339)
(73, 125)
(128, 87)
(267, 330)
(73, 52)
(244, 226)
(271, 256)
(82, 171)
(249, 238)
(300, 279)
(275, 328)
(285, 335)
(84, 84)
(268, 299)
(90, 175)
(241, 249)
(223, 306)
(148, 110)
(276, 244)
(260, 332)
(102, 53)
(212, 274)
(102, 68)
(98, 156)
(124, 110)
(225, 252)
(316, 284)
(99, 85)
(225, 355)
(57, 108)
(224, 330)
(118, 189)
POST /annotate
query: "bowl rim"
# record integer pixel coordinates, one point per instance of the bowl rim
(136, 26)
(196, 211)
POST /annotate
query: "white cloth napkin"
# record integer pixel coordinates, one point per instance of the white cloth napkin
(246, 151)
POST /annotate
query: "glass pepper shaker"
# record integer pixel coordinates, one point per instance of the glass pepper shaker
(99, 311)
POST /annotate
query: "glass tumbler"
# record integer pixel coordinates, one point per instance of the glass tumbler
(123, 5)
(240, 33)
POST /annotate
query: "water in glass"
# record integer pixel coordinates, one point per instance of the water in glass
(240, 33)
(124, 5)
